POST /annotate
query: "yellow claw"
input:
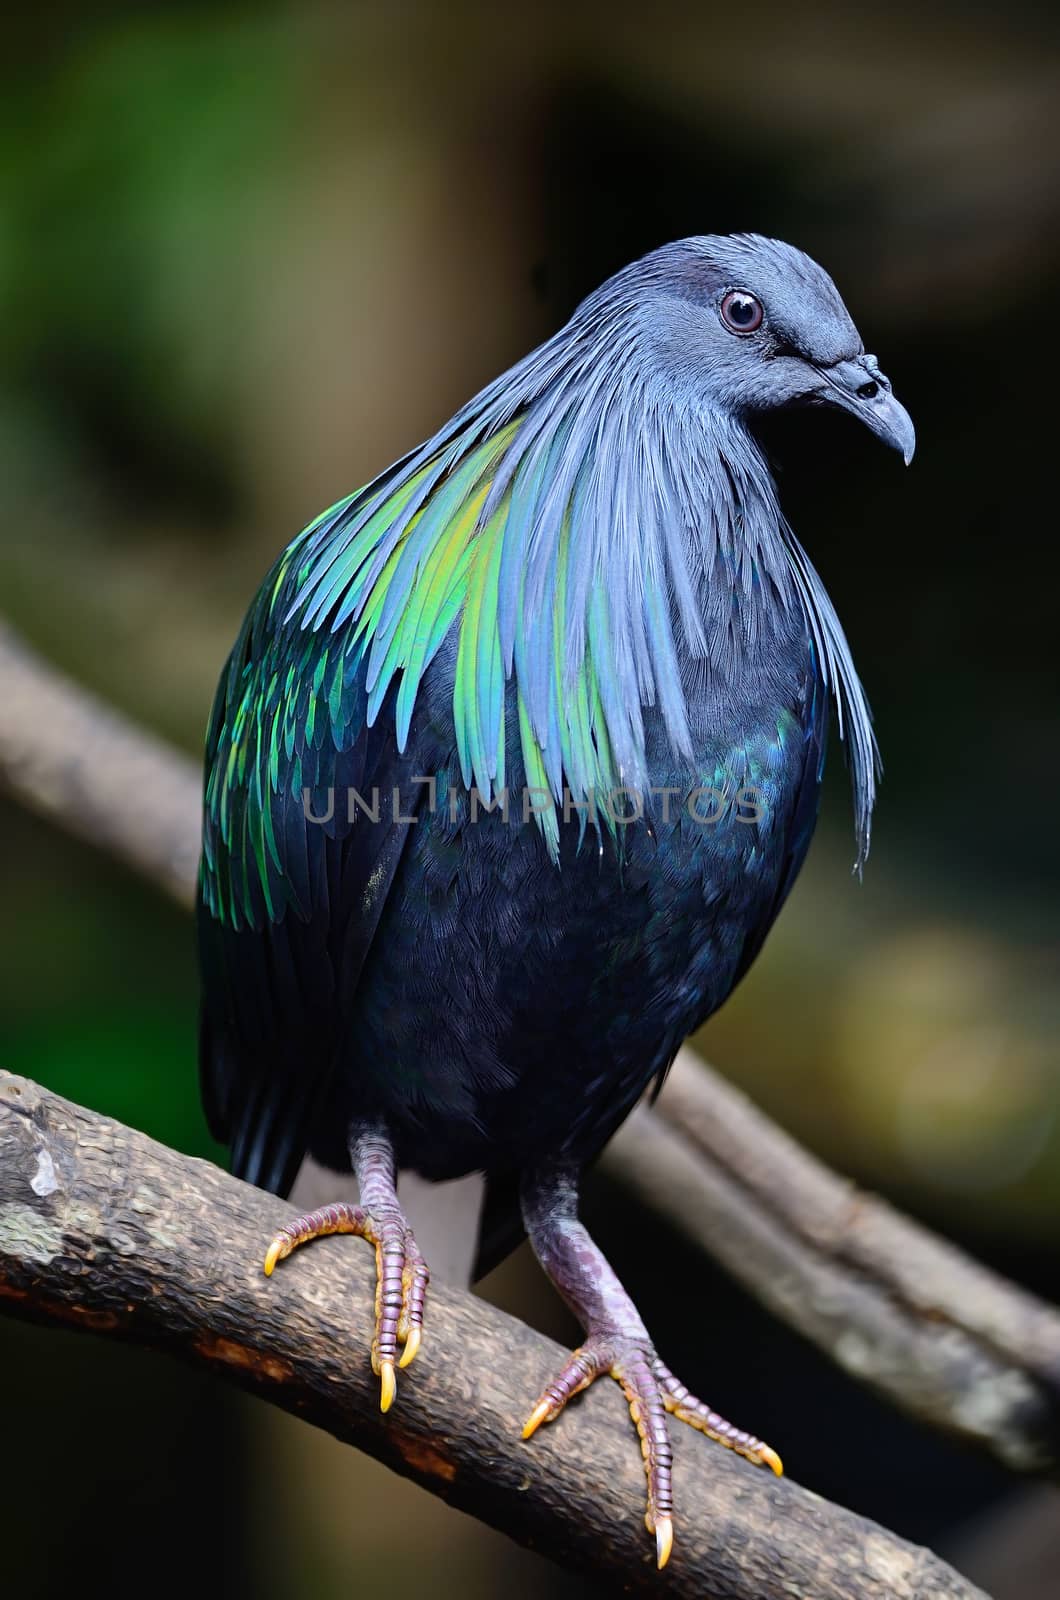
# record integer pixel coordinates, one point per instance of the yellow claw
(276, 1251)
(769, 1458)
(389, 1385)
(539, 1415)
(412, 1345)
(664, 1539)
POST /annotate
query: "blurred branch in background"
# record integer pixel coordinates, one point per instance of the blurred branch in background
(93, 773)
(957, 1346)
(954, 1344)
(104, 1230)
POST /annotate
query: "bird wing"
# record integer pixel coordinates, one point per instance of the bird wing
(472, 533)
(317, 702)
(293, 879)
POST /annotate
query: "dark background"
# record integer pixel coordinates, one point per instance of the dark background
(250, 254)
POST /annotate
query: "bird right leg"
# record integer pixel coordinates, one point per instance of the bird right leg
(616, 1343)
(401, 1272)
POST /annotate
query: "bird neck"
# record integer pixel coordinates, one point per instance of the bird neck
(733, 539)
(756, 597)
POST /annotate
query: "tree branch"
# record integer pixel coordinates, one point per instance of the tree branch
(104, 1230)
(956, 1345)
(899, 1309)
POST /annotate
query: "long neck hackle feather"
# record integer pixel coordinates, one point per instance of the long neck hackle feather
(596, 528)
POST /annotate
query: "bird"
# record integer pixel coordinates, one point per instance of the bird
(510, 770)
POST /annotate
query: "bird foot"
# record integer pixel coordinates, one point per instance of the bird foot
(401, 1278)
(651, 1390)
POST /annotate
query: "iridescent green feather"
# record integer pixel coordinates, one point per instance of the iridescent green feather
(363, 599)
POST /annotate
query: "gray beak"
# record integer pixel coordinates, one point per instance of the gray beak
(861, 388)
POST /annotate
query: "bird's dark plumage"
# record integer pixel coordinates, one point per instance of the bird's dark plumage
(581, 597)
(650, 622)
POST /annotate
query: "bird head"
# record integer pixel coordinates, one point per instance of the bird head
(762, 326)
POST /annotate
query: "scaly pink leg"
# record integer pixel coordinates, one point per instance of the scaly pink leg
(616, 1343)
(401, 1272)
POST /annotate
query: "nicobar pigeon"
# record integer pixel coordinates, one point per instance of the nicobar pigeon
(512, 767)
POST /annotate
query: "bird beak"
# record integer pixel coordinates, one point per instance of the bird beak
(861, 388)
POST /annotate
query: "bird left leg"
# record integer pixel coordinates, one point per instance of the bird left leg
(616, 1343)
(401, 1272)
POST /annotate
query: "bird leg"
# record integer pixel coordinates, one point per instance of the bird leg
(616, 1343)
(401, 1272)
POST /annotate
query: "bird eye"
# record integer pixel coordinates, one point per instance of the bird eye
(741, 312)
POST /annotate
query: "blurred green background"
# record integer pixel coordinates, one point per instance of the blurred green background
(248, 255)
